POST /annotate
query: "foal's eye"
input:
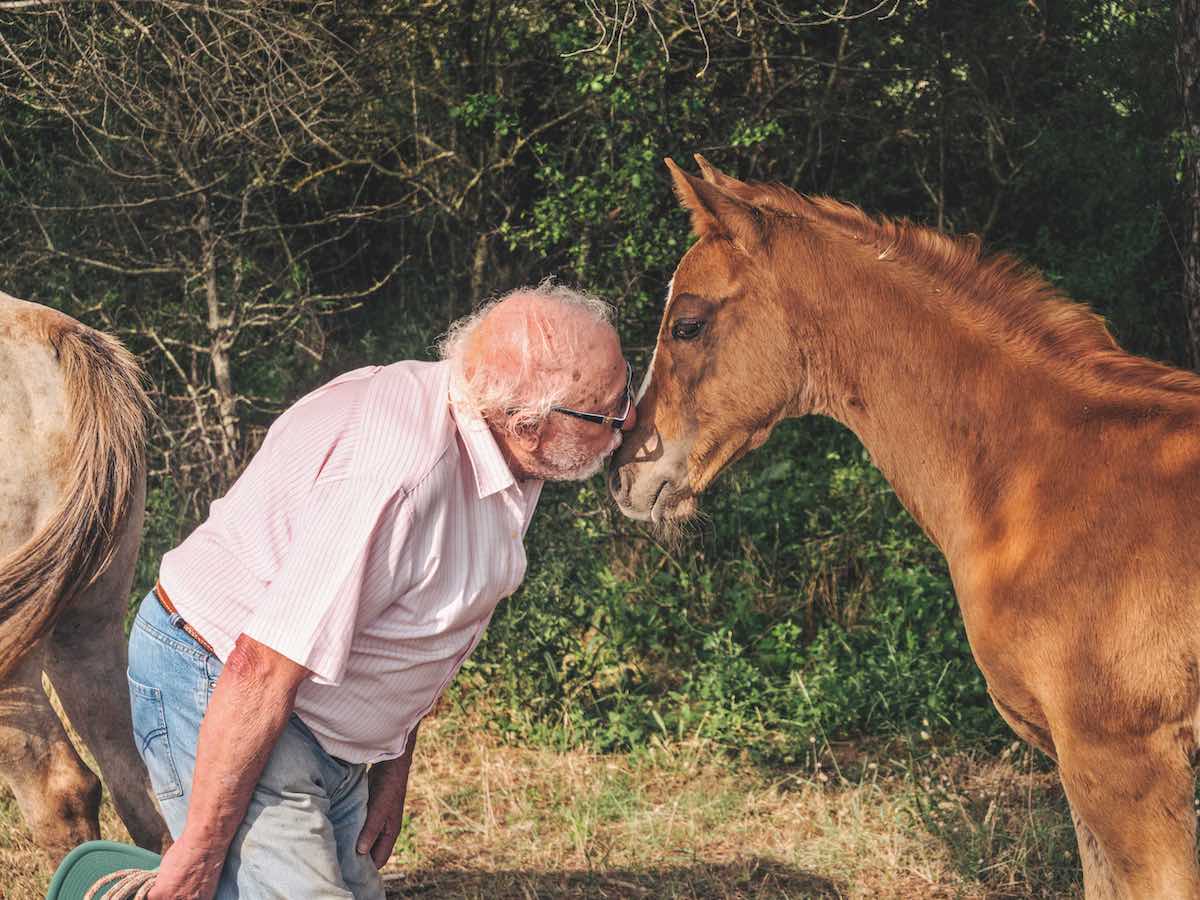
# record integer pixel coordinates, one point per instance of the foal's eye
(687, 329)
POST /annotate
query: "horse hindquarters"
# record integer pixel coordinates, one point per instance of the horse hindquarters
(95, 460)
(86, 660)
(84, 657)
(72, 493)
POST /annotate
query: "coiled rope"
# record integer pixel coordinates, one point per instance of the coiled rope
(127, 884)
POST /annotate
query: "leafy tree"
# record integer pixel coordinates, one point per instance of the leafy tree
(257, 196)
(174, 161)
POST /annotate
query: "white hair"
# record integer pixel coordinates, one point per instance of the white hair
(543, 351)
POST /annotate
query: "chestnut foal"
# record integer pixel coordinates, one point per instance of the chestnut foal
(1059, 475)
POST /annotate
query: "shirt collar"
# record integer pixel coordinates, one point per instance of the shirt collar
(492, 473)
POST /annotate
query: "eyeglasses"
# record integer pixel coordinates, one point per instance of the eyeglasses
(614, 421)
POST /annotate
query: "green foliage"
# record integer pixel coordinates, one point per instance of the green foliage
(810, 608)
(485, 111)
(452, 151)
(162, 531)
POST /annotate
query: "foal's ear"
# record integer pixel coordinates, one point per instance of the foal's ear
(713, 175)
(717, 212)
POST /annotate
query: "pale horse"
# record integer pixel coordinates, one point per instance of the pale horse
(72, 498)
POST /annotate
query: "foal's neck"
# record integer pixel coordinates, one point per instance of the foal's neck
(947, 412)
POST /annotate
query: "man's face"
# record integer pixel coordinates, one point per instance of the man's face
(573, 449)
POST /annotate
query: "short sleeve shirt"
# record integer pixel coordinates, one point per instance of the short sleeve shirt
(369, 539)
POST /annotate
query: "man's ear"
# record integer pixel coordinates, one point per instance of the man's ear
(717, 212)
(527, 432)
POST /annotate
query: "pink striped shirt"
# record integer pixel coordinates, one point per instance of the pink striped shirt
(369, 540)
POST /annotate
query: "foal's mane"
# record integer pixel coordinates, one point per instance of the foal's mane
(1006, 297)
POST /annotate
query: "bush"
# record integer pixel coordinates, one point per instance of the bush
(808, 608)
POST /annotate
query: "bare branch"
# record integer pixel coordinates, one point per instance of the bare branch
(18, 5)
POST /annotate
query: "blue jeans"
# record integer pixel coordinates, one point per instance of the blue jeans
(297, 839)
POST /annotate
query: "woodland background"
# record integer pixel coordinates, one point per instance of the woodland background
(257, 196)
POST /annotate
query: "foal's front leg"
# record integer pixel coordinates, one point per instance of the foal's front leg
(1132, 801)
(1099, 881)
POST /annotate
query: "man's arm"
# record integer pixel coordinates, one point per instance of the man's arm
(250, 706)
(387, 786)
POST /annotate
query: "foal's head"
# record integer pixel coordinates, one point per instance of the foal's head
(726, 366)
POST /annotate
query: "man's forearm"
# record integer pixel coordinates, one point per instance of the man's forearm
(249, 709)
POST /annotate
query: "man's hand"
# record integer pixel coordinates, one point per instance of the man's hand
(185, 874)
(387, 783)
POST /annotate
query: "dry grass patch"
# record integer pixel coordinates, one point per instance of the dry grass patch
(24, 873)
(683, 821)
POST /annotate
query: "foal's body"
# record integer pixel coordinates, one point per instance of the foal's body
(1059, 476)
(72, 491)
(1066, 500)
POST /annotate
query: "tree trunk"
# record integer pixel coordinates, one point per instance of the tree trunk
(219, 330)
(1187, 63)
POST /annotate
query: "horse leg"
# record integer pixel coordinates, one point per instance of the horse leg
(57, 794)
(1132, 801)
(86, 663)
(1098, 879)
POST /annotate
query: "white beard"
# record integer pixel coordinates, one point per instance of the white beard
(574, 463)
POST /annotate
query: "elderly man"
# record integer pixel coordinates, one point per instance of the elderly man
(303, 631)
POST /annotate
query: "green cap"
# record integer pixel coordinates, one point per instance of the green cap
(88, 863)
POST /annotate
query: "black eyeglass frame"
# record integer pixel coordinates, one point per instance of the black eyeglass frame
(616, 422)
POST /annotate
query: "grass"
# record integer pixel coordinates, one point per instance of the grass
(683, 820)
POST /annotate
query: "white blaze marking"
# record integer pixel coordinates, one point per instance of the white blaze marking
(646, 381)
(650, 369)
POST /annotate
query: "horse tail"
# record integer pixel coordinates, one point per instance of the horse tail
(106, 472)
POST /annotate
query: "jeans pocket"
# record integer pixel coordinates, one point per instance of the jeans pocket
(153, 743)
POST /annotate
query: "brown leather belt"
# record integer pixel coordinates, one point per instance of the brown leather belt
(165, 602)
